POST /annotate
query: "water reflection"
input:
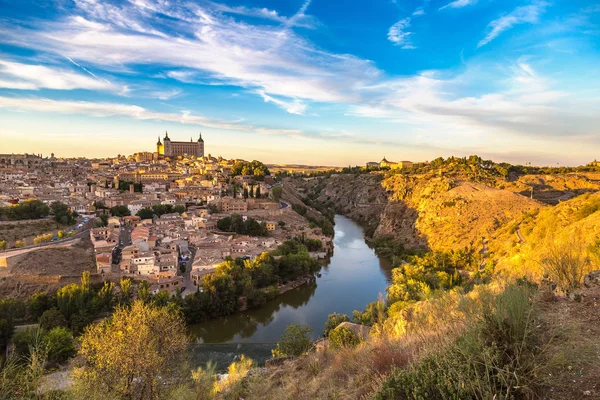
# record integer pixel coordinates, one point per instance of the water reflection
(353, 278)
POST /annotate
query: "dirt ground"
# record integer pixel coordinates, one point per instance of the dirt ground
(58, 261)
(46, 270)
(27, 230)
(575, 348)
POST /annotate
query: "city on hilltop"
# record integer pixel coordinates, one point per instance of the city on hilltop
(156, 216)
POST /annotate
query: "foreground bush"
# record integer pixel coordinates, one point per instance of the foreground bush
(497, 357)
(132, 355)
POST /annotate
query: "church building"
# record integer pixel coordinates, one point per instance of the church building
(168, 148)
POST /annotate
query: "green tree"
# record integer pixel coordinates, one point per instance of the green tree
(333, 320)
(257, 193)
(39, 303)
(120, 211)
(295, 341)
(276, 193)
(52, 318)
(62, 213)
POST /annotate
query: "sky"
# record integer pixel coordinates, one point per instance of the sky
(304, 81)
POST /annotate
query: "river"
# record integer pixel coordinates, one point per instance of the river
(353, 277)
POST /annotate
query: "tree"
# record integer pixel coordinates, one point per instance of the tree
(3, 244)
(52, 318)
(133, 354)
(257, 193)
(120, 211)
(276, 193)
(62, 214)
(333, 320)
(245, 193)
(38, 304)
(19, 243)
(179, 209)
(343, 337)
(295, 341)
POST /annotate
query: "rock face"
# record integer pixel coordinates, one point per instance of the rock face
(420, 211)
(592, 279)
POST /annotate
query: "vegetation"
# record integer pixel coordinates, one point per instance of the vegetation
(276, 193)
(120, 211)
(247, 283)
(342, 337)
(30, 209)
(333, 320)
(63, 214)
(254, 168)
(498, 356)
(131, 354)
(160, 209)
(235, 223)
(294, 341)
(124, 186)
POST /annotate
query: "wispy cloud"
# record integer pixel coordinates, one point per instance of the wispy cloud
(398, 34)
(15, 75)
(273, 59)
(458, 4)
(292, 107)
(113, 109)
(525, 14)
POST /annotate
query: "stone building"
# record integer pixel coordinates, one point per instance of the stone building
(169, 148)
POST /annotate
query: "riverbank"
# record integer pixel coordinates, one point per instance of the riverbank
(349, 280)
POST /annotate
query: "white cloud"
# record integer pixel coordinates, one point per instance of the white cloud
(526, 105)
(201, 42)
(521, 15)
(292, 107)
(458, 4)
(113, 109)
(398, 35)
(14, 75)
(166, 95)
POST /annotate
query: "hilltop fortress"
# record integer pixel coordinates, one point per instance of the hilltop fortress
(169, 148)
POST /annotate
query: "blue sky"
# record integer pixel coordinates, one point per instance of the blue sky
(300, 81)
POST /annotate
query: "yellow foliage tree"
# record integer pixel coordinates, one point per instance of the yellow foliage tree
(19, 243)
(133, 354)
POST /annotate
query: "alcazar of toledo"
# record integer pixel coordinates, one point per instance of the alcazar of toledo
(168, 148)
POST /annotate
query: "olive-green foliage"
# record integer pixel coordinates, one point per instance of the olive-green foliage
(120, 211)
(416, 280)
(235, 223)
(252, 280)
(52, 318)
(253, 168)
(11, 310)
(58, 343)
(294, 341)
(497, 357)
(333, 320)
(62, 213)
(31, 209)
(342, 337)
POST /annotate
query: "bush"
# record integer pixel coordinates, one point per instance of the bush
(294, 341)
(333, 320)
(343, 337)
(52, 318)
(497, 357)
(566, 265)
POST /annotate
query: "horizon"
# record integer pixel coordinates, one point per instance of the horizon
(303, 83)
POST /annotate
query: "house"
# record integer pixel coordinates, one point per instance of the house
(169, 284)
(103, 263)
(271, 226)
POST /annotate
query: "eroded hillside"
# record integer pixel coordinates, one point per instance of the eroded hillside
(420, 211)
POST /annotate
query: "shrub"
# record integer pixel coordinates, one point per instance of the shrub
(294, 341)
(343, 337)
(566, 264)
(333, 320)
(496, 357)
